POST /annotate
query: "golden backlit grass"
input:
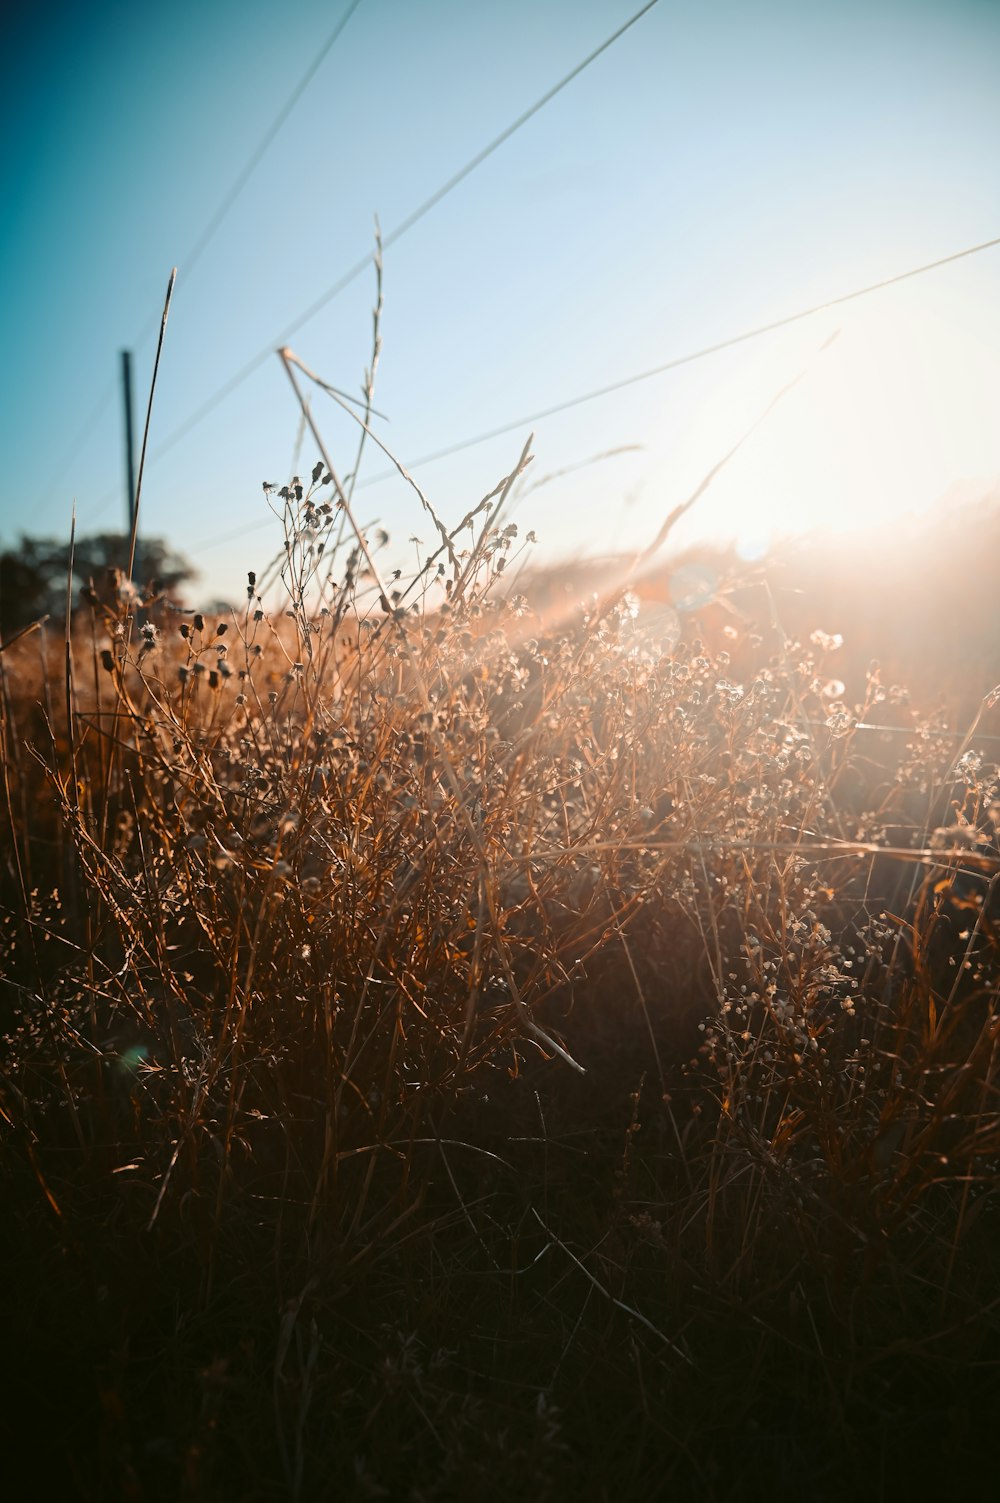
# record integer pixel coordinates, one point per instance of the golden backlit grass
(454, 1050)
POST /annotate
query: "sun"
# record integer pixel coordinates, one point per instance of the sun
(882, 423)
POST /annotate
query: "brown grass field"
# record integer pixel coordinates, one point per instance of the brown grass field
(465, 1039)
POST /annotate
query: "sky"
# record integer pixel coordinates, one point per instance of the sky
(720, 166)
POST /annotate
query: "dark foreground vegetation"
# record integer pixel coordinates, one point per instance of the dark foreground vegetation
(311, 916)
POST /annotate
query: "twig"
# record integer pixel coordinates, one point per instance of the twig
(618, 1303)
(31, 626)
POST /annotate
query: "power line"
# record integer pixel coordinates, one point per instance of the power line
(647, 375)
(394, 234)
(670, 365)
(201, 244)
(257, 155)
(74, 450)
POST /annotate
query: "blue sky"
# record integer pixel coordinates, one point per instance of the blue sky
(721, 165)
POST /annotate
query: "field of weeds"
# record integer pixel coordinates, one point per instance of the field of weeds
(455, 1049)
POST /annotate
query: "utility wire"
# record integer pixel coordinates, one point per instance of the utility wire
(74, 450)
(201, 244)
(394, 234)
(260, 150)
(678, 361)
(647, 375)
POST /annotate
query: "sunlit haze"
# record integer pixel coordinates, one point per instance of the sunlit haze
(888, 419)
(719, 167)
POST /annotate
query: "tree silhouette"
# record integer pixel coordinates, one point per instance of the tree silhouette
(33, 574)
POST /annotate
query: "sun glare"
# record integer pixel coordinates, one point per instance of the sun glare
(884, 422)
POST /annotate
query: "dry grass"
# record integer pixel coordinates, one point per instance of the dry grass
(311, 918)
